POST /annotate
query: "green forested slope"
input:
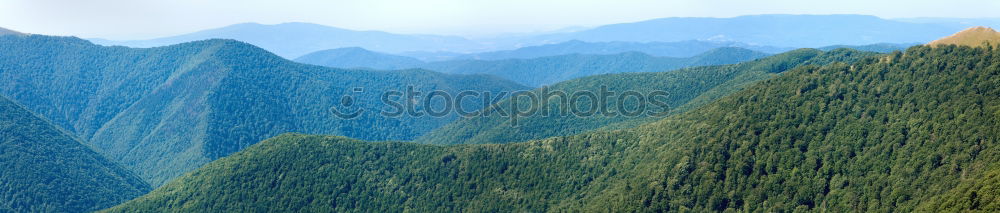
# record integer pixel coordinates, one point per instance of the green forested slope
(553, 69)
(686, 89)
(164, 111)
(43, 169)
(888, 133)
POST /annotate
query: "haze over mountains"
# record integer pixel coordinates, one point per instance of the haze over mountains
(534, 72)
(291, 40)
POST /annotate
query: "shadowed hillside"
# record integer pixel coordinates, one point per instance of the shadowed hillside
(46, 170)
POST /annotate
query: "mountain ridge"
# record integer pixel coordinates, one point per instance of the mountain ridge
(294, 39)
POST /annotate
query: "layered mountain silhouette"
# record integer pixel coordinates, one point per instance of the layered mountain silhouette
(292, 40)
(535, 71)
(164, 111)
(45, 169)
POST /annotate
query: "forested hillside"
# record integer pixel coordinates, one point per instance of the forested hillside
(44, 169)
(164, 111)
(685, 88)
(887, 133)
(554, 69)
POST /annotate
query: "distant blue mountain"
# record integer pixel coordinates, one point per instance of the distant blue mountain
(771, 30)
(291, 40)
(958, 22)
(536, 71)
(356, 57)
(663, 49)
(553, 69)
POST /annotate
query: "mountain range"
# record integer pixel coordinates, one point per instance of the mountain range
(164, 111)
(536, 71)
(678, 49)
(769, 30)
(872, 120)
(907, 131)
(292, 40)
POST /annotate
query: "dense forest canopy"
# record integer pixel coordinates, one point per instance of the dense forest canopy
(44, 169)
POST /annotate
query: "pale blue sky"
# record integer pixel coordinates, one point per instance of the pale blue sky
(134, 19)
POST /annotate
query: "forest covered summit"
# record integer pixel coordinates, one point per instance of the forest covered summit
(975, 36)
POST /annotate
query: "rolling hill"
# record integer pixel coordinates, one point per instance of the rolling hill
(164, 111)
(976, 36)
(47, 170)
(553, 69)
(686, 88)
(291, 40)
(356, 57)
(887, 133)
